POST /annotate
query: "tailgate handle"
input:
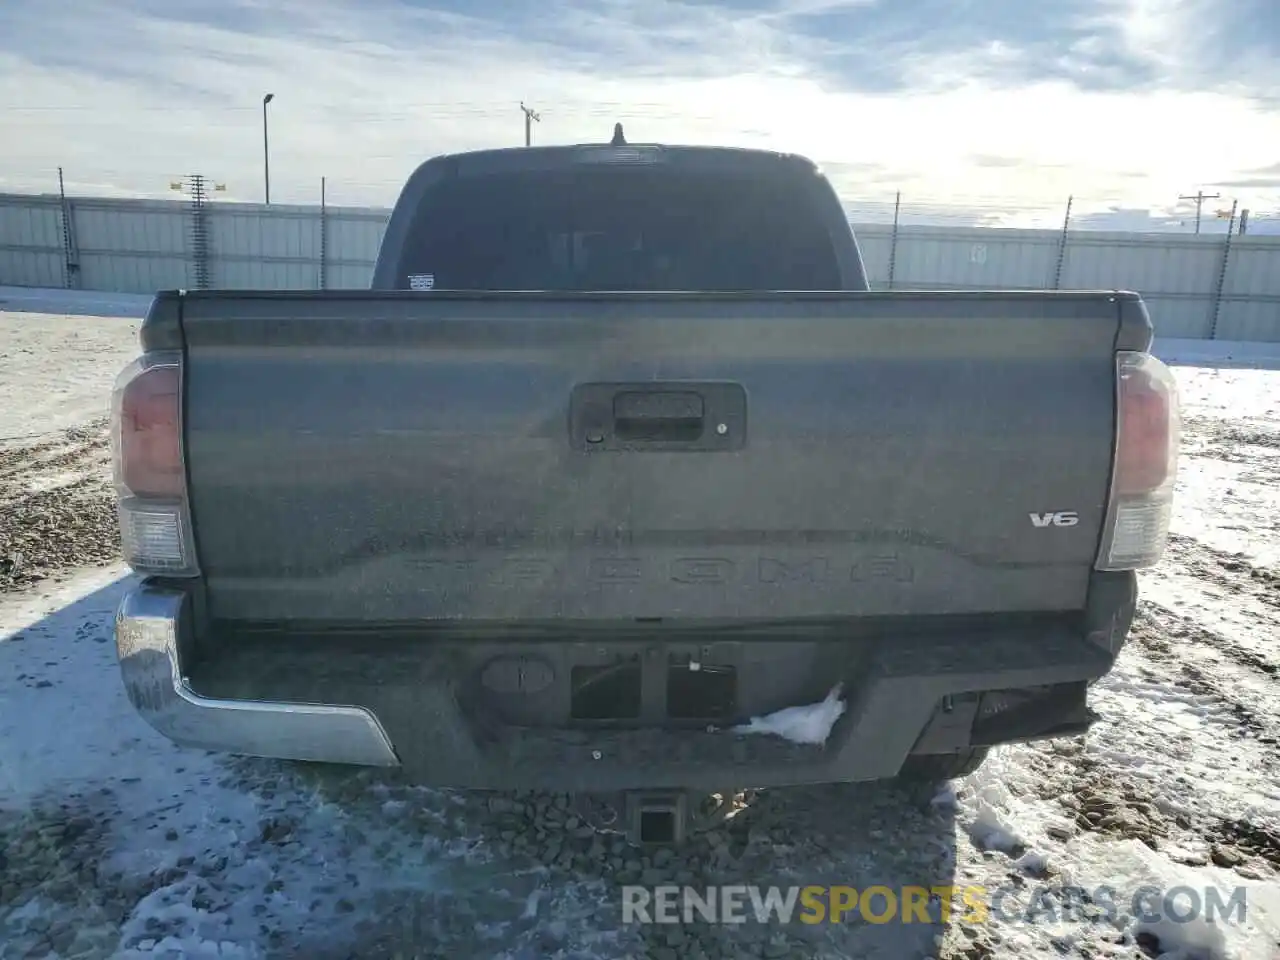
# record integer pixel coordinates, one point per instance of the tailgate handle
(651, 416)
(675, 416)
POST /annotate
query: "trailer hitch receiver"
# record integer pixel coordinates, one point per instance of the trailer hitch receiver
(657, 817)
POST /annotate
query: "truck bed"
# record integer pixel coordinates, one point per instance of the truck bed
(364, 459)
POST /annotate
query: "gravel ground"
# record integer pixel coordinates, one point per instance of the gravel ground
(56, 506)
(167, 852)
(56, 372)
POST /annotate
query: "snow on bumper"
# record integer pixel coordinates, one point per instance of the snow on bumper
(151, 641)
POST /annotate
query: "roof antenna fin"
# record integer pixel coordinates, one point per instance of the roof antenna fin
(618, 139)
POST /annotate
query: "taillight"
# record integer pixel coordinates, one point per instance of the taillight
(155, 524)
(150, 442)
(1148, 431)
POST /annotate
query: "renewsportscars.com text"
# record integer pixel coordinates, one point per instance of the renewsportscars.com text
(921, 904)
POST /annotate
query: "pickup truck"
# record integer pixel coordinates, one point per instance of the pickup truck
(619, 455)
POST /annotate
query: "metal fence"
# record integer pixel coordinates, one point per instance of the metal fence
(1220, 285)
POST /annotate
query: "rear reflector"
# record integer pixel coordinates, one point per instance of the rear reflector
(155, 537)
(1148, 431)
(155, 525)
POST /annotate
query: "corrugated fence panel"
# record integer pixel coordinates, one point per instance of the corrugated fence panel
(1176, 276)
(264, 248)
(350, 276)
(110, 228)
(1248, 320)
(31, 241)
(26, 268)
(1176, 265)
(1179, 317)
(1253, 268)
(133, 273)
(876, 242)
(132, 248)
(354, 239)
(140, 246)
(1251, 292)
(36, 223)
(939, 257)
(242, 274)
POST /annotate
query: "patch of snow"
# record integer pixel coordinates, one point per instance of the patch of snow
(809, 724)
(61, 636)
(79, 302)
(1158, 896)
(230, 854)
(1230, 394)
(1033, 862)
(1217, 504)
(1216, 609)
(57, 370)
(1229, 504)
(945, 798)
(1209, 353)
(202, 932)
(990, 828)
(53, 480)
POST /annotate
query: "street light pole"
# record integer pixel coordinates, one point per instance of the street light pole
(266, 155)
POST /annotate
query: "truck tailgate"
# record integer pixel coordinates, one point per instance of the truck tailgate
(370, 458)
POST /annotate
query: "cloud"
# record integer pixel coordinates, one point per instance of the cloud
(1135, 101)
(1251, 183)
(1204, 44)
(998, 163)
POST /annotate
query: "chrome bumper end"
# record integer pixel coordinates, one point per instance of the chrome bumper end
(152, 629)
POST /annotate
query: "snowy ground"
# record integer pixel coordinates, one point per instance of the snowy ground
(113, 842)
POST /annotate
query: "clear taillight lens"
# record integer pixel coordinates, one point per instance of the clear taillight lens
(156, 537)
(150, 481)
(1148, 425)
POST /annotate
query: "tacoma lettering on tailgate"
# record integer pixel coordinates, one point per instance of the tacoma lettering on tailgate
(692, 571)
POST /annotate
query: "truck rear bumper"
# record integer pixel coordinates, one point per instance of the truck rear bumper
(371, 703)
(152, 636)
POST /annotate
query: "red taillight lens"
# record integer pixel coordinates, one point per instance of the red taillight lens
(155, 523)
(149, 440)
(1149, 429)
(1144, 458)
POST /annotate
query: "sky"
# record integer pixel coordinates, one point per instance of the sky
(991, 108)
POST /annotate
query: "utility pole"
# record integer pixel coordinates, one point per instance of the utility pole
(266, 157)
(1200, 197)
(197, 186)
(530, 115)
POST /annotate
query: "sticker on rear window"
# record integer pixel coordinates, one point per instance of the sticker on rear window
(422, 281)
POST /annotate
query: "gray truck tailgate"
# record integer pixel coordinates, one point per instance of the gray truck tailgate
(378, 458)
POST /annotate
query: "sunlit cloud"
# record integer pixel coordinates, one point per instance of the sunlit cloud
(1123, 104)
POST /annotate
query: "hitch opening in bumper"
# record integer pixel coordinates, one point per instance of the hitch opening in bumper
(657, 818)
